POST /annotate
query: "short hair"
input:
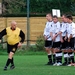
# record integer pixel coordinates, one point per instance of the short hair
(69, 17)
(65, 15)
(55, 16)
(49, 14)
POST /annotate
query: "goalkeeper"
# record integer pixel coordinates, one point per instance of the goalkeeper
(15, 38)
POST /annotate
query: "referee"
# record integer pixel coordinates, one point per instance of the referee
(15, 38)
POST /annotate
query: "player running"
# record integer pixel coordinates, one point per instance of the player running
(15, 38)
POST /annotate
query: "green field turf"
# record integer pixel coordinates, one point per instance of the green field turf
(34, 65)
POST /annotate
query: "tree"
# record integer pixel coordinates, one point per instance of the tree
(14, 6)
(38, 6)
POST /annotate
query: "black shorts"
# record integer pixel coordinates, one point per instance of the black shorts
(11, 48)
(56, 44)
(64, 45)
(48, 43)
(71, 44)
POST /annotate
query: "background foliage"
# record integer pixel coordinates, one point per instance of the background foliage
(37, 7)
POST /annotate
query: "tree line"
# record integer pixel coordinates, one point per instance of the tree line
(37, 7)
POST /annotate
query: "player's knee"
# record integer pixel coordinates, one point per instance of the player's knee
(11, 55)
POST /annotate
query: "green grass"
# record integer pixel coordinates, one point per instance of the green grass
(34, 65)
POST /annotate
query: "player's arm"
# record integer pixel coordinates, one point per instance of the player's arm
(22, 35)
(66, 36)
(69, 37)
(51, 34)
(54, 37)
(70, 34)
(58, 33)
(2, 33)
(61, 38)
(45, 37)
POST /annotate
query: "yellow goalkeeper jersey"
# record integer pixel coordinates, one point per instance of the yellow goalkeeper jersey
(13, 35)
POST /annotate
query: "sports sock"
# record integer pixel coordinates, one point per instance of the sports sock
(66, 57)
(50, 58)
(72, 58)
(12, 61)
(69, 60)
(65, 60)
(8, 62)
(59, 57)
(54, 58)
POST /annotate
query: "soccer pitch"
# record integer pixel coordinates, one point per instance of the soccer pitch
(34, 65)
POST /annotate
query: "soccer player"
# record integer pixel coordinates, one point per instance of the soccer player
(47, 38)
(56, 40)
(64, 39)
(15, 38)
(71, 39)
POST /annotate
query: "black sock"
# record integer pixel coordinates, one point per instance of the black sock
(57, 59)
(65, 57)
(12, 61)
(60, 59)
(8, 62)
(65, 60)
(54, 58)
(69, 60)
(50, 58)
(72, 59)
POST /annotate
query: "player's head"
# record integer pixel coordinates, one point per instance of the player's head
(69, 18)
(55, 19)
(13, 25)
(64, 18)
(49, 17)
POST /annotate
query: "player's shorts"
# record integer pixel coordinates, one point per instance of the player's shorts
(11, 48)
(56, 44)
(64, 45)
(48, 43)
(72, 43)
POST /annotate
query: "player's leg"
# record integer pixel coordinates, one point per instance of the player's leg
(49, 56)
(53, 53)
(47, 48)
(71, 57)
(59, 58)
(71, 52)
(58, 54)
(14, 48)
(9, 60)
(73, 47)
(65, 52)
(11, 50)
(65, 56)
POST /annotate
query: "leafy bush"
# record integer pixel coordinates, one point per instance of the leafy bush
(40, 43)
